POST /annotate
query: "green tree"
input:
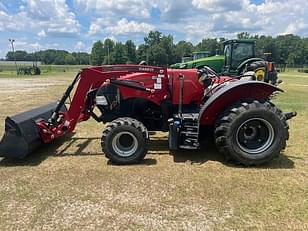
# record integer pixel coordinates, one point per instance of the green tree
(97, 53)
(243, 35)
(130, 52)
(48, 56)
(19, 55)
(169, 48)
(82, 58)
(142, 54)
(153, 38)
(211, 45)
(69, 59)
(59, 60)
(183, 48)
(108, 50)
(118, 54)
(157, 55)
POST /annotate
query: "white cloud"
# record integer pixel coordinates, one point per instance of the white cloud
(97, 25)
(198, 30)
(136, 8)
(15, 22)
(20, 45)
(48, 17)
(41, 34)
(124, 27)
(24, 44)
(79, 46)
(173, 11)
(218, 5)
(54, 16)
(201, 17)
(296, 27)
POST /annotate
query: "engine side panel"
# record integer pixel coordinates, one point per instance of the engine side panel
(158, 83)
(193, 90)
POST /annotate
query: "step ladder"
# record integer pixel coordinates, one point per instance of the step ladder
(189, 131)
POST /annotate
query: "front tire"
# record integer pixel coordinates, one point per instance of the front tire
(252, 133)
(124, 141)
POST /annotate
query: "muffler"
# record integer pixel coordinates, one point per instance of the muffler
(22, 134)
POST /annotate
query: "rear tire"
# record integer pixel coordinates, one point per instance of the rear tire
(252, 133)
(259, 67)
(124, 141)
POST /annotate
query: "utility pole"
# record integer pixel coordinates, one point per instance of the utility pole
(108, 52)
(12, 43)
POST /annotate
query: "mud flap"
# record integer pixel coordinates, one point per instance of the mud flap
(21, 135)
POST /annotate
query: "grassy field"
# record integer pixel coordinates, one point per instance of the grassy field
(70, 185)
(9, 71)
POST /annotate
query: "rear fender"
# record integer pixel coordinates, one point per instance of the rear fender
(232, 93)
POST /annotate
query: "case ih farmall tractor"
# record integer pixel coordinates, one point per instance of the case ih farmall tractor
(135, 99)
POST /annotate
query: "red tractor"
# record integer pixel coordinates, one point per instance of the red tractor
(135, 99)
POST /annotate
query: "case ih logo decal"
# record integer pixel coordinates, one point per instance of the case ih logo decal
(146, 69)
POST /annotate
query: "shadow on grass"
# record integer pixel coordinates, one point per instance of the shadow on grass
(209, 152)
(38, 156)
(146, 162)
(157, 146)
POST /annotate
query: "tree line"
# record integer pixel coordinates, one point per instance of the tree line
(159, 49)
(51, 56)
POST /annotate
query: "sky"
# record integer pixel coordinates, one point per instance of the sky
(74, 25)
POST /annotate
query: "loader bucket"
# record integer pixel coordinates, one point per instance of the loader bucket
(21, 135)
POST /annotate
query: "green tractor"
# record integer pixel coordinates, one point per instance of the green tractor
(239, 58)
(29, 70)
(191, 58)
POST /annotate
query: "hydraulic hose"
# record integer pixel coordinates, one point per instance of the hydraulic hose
(66, 94)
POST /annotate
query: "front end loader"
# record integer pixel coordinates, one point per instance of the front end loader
(135, 99)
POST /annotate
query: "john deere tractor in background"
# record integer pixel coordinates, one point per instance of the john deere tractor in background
(239, 57)
(191, 58)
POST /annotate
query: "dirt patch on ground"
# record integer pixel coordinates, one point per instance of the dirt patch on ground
(25, 85)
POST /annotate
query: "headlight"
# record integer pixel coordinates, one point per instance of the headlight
(101, 100)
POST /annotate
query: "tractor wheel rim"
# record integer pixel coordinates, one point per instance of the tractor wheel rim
(254, 136)
(125, 144)
(260, 73)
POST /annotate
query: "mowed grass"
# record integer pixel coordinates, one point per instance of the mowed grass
(9, 70)
(70, 185)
